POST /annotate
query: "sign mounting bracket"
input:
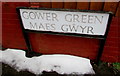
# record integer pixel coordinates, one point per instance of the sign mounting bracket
(68, 22)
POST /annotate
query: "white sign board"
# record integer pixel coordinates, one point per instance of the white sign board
(64, 21)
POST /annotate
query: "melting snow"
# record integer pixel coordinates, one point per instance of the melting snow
(62, 64)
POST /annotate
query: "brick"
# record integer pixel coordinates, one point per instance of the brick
(57, 4)
(10, 7)
(10, 22)
(115, 39)
(34, 4)
(112, 43)
(110, 6)
(118, 10)
(46, 4)
(70, 5)
(110, 49)
(96, 5)
(83, 5)
(10, 16)
(108, 58)
(113, 34)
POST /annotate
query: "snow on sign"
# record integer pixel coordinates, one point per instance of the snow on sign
(89, 23)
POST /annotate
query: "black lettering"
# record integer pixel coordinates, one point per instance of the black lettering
(47, 26)
(54, 17)
(40, 15)
(48, 16)
(90, 19)
(64, 28)
(84, 17)
(68, 17)
(53, 26)
(90, 30)
(25, 15)
(32, 15)
(75, 18)
(41, 26)
(73, 28)
(33, 26)
(83, 28)
(99, 20)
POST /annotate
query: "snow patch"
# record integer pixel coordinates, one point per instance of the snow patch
(62, 64)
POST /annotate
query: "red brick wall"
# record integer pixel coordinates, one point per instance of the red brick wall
(11, 31)
(48, 44)
(111, 50)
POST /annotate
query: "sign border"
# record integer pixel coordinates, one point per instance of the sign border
(68, 34)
